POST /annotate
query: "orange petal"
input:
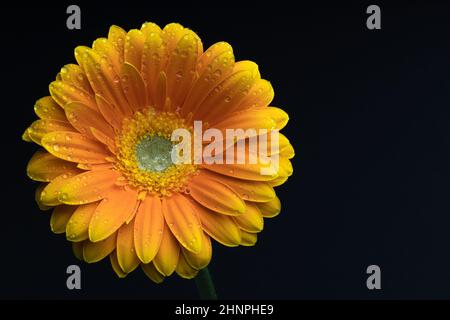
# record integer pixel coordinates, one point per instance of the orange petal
(115, 265)
(74, 147)
(215, 195)
(182, 220)
(111, 213)
(271, 208)
(60, 216)
(251, 220)
(148, 228)
(166, 259)
(49, 195)
(96, 251)
(45, 167)
(199, 260)
(89, 186)
(220, 227)
(126, 255)
(63, 93)
(247, 190)
(40, 128)
(46, 108)
(151, 272)
(184, 270)
(78, 225)
(83, 118)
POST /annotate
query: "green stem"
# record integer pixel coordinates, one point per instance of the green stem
(205, 285)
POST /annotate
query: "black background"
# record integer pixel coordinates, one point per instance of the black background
(369, 121)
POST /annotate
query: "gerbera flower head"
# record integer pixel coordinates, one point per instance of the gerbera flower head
(106, 164)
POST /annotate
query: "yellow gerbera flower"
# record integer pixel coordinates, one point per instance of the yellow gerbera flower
(105, 168)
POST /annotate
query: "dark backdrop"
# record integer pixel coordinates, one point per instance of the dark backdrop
(369, 121)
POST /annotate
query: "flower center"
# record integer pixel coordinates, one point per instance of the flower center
(154, 153)
(144, 153)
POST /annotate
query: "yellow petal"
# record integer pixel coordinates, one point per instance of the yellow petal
(251, 220)
(220, 227)
(134, 44)
(215, 195)
(78, 225)
(126, 254)
(45, 167)
(88, 186)
(247, 190)
(278, 115)
(248, 239)
(153, 60)
(73, 74)
(166, 259)
(224, 98)
(134, 87)
(271, 208)
(184, 270)
(148, 228)
(285, 169)
(104, 80)
(199, 260)
(106, 49)
(60, 216)
(183, 221)
(180, 69)
(149, 27)
(40, 128)
(75, 147)
(115, 265)
(117, 37)
(260, 95)
(111, 213)
(37, 197)
(106, 140)
(63, 93)
(83, 118)
(213, 67)
(112, 114)
(241, 171)
(278, 181)
(96, 251)
(171, 34)
(46, 108)
(151, 272)
(49, 195)
(77, 249)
